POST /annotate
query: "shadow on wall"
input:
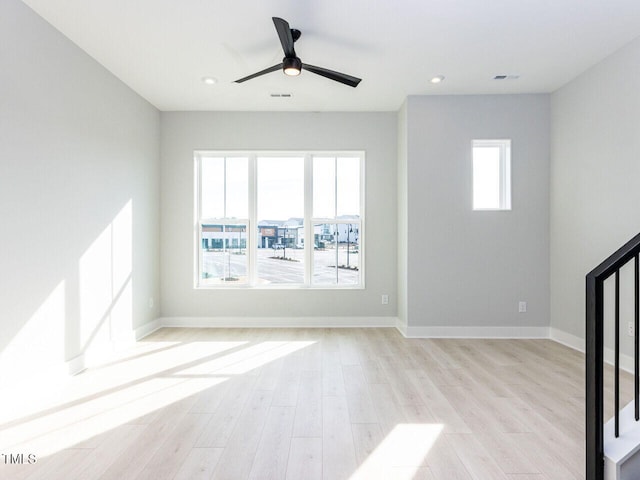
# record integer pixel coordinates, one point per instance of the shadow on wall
(82, 316)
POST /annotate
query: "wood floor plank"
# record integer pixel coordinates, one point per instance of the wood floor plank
(308, 417)
(210, 399)
(305, 459)
(399, 382)
(444, 462)
(516, 476)
(361, 409)
(388, 411)
(288, 385)
(475, 457)
(546, 457)
(176, 447)
(507, 452)
(199, 464)
(223, 421)
(332, 378)
(272, 456)
(366, 438)
(338, 451)
(238, 456)
(437, 403)
(97, 460)
(410, 473)
(56, 467)
(349, 348)
(134, 459)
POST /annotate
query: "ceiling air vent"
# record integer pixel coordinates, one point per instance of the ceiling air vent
(281, 95)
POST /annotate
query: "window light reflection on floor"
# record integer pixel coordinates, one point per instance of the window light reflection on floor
(105, 398)
(400, 454)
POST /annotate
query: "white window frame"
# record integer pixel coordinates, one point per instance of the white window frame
(252, 221)
(504, 183)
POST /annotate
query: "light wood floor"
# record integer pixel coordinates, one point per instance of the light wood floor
(305, 404)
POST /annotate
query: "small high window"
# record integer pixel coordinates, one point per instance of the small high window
(491, 174)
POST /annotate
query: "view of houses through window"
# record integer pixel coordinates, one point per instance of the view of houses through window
(279, 219)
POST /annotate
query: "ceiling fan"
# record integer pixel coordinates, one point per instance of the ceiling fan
(292, 65)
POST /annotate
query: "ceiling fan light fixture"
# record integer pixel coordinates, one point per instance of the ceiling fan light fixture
(291, 66)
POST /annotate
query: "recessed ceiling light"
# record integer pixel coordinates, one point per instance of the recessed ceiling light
(437, 79)
(210, 80)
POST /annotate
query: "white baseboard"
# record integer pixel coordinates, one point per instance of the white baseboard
(474, 332)
(277, 322)
(566, 339)
(82, 361)
(76, 365)
(577, 343)
(401, 326)
(147, 329)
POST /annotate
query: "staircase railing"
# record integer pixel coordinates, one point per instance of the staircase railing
(595, 352)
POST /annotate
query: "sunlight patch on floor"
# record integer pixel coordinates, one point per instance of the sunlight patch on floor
(242, 361)
(125, 391)
(400, 454)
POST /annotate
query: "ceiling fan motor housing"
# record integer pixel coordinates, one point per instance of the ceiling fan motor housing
(291, 65)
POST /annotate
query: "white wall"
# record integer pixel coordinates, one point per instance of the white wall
(595, 178)
(78, 200)
(467, 270)
(182, 133)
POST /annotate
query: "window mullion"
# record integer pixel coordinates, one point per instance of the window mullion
(252, 226)
(308, 224)
(335, 212)
(224, 188)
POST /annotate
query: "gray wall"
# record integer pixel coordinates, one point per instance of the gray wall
(182, 133)
(78, 200)
(470, 268)
(403, 216)
(595, 173)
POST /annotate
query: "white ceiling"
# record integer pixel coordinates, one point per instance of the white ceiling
(163, 48)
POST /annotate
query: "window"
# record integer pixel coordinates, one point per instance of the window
(224, 219)
(491, 174)
(290, 219)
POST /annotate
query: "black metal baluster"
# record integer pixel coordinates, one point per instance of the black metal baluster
(594, 380)
(617, 353)
(636, 347)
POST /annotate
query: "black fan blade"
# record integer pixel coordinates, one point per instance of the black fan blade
(337, 76)
(286, 39)
(262, 72)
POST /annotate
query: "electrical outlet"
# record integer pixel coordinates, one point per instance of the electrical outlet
(522, 307)
(385, 299)
(630, 329)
